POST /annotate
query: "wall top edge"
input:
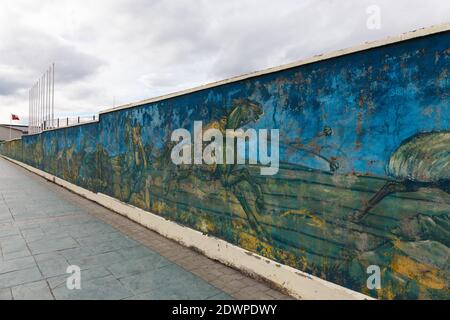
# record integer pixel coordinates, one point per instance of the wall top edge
(60, 128)
(16, 139)
(334, 54)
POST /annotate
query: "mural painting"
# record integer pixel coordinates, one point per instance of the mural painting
(364, 166)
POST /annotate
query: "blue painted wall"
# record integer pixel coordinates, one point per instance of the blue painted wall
(373, 101)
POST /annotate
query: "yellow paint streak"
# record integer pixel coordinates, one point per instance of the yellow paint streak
(147, 198)
(213, 125)
(248, 241)
(205, 225)
(267, 250)
(424, 274)
(140, 152)
(253, 244)
(159, 207)
(290, 259)
(316, 221)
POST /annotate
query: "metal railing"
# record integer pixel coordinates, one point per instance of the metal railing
(62, 123)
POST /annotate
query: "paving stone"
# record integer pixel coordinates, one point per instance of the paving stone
(75, 253)
(33, 234)
(137, 266)
(221, 296)
(8, 231)
(184, 288)
(53, 267)
(106, 288)
(49, 245)
(32, 291)
(5, 294)
(13, 244)
(89, 274)
(113, 245)
(19, 277)
(16, 254)
(101, 238)
(103, 259)
(136, 252)
(17, 264)
(152, 280)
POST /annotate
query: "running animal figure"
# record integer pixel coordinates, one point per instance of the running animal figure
(231, 176)
(422, 161)
(333, 163)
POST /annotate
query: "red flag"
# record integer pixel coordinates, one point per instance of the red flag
(14, 117)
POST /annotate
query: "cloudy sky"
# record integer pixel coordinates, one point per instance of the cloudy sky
(119, 51)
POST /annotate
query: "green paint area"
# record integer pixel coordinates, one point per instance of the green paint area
(304, 221)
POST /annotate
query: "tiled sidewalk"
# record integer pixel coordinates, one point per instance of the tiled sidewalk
(45, 228)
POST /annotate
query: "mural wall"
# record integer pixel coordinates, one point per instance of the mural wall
(364, 166)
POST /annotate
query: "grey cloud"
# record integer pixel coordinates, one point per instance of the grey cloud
(33, 51)
(132, 50)
(74, 65)
(8, 87)
(312, 27)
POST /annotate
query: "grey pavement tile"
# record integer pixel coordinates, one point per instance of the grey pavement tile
(75, 253)
(8, 231)
(106, 288)
(80, 219)
(49, 245)
(63, 212)
(89, 274)
(32, 291)
(21, 217)
(13, 244)
(16, 254)
(19, 277)
(185, 288)
(221, 296)
(29, 225)
(150, 280)
(153, 280)
(101, 238)
(52, 227)
(55, 232)
(88, 229)
(106, 242)
(48, 256)
(136, 266)
(3, 208)
(6, 219)
(5, 294)
(103, 259)
(17, 264)
(53, 267)
(32, 234)
(51, 236)
(136, 252)
(114, 245)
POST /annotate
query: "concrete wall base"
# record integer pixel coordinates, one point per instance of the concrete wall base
(294, 282)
